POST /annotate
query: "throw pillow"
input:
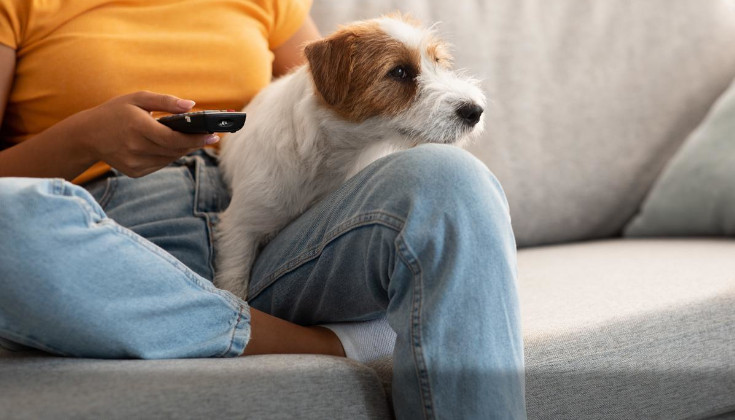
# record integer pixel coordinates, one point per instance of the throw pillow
(695, 194)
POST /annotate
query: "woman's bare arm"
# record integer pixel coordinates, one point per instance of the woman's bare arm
(291, 53)
(7, 67)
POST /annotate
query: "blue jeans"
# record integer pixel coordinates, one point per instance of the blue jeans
(422, 236)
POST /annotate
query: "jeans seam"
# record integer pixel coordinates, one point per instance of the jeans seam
(196, 181)
(29, 341)
(199, 170)
(110, 187)
(408, 258)
(232, 336)
(375, 217)
(234, 330)
(210, 242)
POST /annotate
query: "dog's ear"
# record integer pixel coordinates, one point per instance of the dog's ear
(330, 61)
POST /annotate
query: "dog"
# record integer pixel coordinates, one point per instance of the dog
(371, 88)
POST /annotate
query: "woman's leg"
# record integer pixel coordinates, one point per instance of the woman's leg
(168, 215)
(74, 282)
(424, 236)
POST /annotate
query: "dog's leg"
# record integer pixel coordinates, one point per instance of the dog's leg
(237, 245)
(244, 226)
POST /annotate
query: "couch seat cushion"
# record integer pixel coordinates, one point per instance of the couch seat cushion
(629, 329)
(34, 385)
(613, 329)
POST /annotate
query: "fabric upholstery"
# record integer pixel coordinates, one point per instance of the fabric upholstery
(35, 386)
(695, 195)
(629, 329)
(588, 99)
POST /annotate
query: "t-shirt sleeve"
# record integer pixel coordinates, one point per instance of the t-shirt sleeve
(13, 18)
(287, 17)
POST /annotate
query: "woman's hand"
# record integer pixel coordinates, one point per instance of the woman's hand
(122, 133)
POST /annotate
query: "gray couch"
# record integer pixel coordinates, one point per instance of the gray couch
(589, 101)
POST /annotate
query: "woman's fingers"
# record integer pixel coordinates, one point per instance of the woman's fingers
(151, 101)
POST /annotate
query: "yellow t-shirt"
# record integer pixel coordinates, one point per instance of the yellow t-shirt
(74, 55)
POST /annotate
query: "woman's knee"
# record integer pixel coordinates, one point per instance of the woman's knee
(33, 205)
(442, 174)
(41, 218)
(20, 193)
(456, 217)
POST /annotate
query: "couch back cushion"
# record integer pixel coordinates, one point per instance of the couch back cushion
(588, 99)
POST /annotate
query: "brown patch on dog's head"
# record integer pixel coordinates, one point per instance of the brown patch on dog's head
(362, 72)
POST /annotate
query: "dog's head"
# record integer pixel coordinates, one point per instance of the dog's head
(391, 69)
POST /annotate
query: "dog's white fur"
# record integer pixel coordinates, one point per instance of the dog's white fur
(299, 145)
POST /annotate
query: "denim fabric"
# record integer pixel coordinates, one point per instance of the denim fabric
(74, 282)
(176, 207)
(425, 235)
(422, 236)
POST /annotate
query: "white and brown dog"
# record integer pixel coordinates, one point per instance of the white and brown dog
(372, 88)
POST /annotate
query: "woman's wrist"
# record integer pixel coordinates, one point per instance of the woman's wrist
(73, 142)
(79, 139)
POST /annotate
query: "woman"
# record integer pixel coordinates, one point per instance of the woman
(122, 267)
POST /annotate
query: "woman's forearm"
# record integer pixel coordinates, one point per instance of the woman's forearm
(57, 152)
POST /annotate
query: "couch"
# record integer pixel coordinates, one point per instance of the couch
(589, 102)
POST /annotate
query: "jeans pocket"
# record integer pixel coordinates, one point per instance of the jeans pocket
(211, 196)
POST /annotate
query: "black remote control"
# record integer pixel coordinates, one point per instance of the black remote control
(203, 122)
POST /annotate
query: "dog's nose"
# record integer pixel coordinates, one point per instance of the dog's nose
(470, 113)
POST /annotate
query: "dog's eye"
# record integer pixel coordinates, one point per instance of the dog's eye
(398, 72)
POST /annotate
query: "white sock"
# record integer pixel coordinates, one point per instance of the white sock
(365, 341)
